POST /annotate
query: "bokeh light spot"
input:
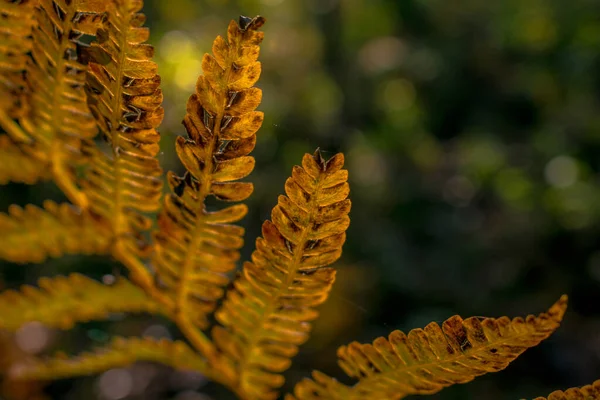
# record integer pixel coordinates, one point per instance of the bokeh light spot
(115, 384)
(382, 54)
(175, 46)
(398, 95)
(157, 331)
(187, 73)
(271, 2)
(32, 337)
(561, 172)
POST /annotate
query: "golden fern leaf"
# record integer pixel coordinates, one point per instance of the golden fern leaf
(17, 165)
(427, 360)
(124, 97)
(59, 118)
(32, 234)
(588, 392)
(119, 353)
(16, 23)
(266, 317)
(61, 302)
(195, 248)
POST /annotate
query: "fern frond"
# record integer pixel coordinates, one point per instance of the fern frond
(196, 248)
(59, 119)
(588, 392)
(61, 302)
(427, 360)
(17, 165)
(32, 234)
(266, 317)
(124, 97)
(16, 23)
(119, 353)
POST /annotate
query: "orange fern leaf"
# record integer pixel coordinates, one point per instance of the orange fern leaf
(125, 98)
(266, 317)
(195, 247)
(32, 234)
(588, 392)
(427, 360)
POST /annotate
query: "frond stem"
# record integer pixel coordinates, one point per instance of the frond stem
(140, 275)
(13, 129)
(143, 278)
(62, 175)
(197, 337)
(63, 179)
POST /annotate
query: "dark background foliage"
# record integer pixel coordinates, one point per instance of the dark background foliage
(471, 131)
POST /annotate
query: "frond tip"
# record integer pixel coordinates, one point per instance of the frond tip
(427, 360)
(121, 352)
(588, 392)
(62, 301)
(267, 316)
(196, 247)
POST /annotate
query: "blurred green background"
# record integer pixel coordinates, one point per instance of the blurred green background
(471, 130)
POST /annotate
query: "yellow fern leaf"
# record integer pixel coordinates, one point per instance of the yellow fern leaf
(427, 360)
(588, 392)
(17, 165)
(266, 317)
(59, 118)
(32, 234)
(119, 353)
(195, 248)
(124, 97)
(63, 301)
(16, 22)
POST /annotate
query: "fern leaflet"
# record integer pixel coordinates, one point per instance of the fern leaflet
(124, 97)
(266, 317)
(59, 118)
(62, 301)
(588, 392)
(16, 23)
(427, 360)
(17, 165)
(31, 234)
(194, 247)
(119, 353)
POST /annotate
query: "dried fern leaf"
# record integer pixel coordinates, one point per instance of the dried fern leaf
(266, 317)
(427, 360)
(119, 353)
(16, 22)
(588, 392)
(59, 119)
(17, 166)
(60, 302)
(124, 97)
(32, 234)
(196, 248)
